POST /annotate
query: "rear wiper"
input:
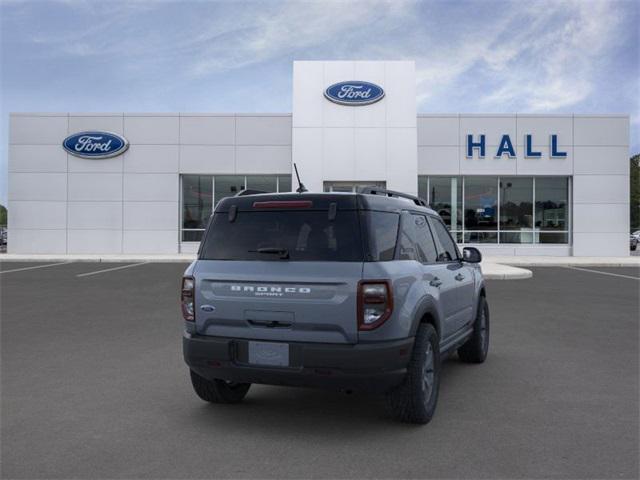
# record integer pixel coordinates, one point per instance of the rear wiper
(283, 252)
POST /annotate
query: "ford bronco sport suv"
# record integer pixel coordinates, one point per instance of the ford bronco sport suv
(351, 291)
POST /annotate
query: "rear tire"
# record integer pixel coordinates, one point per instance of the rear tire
(218, 391)
(476, 348)
(414, 401)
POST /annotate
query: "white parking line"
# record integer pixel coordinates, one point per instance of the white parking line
(33, 268)
(111, 269)
(604, 273)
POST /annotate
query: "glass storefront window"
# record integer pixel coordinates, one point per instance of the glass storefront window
(516, 237)
(227, 186)
(516, 210)
(197, 198)
(505, 210)
(445, 197)
(480, 203)
(552, 198)
(260, 182)
(516, 203)
(480, 237)
(350, 186)
(423, 186)
(284, 183)
(552, 237)
(200, 194)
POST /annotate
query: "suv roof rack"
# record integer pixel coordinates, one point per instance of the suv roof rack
(372, 190)
(248, 191)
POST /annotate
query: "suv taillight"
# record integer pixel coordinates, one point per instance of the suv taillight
(375, 303)
(186, 298)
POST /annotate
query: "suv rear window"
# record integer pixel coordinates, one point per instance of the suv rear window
(300, 235)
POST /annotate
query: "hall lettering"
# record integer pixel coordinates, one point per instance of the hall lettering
(476, 144)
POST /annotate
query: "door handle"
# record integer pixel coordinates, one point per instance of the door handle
(459, 277)
(435, 282)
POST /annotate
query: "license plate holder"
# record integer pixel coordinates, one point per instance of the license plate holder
(269, 354)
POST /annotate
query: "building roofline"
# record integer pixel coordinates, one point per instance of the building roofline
(274, 114)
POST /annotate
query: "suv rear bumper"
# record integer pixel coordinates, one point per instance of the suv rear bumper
(371, 367)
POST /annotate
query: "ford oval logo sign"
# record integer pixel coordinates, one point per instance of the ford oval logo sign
(95, 144)
(354, 93)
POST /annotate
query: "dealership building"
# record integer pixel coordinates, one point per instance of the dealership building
(511, 184)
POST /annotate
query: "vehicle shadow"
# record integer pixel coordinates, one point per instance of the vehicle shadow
(292, 411)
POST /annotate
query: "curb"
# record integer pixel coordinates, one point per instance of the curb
(497, 271)
(631, 261)
(576, 264)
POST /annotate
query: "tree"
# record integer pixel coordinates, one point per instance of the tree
(3, 215)
(634, 175)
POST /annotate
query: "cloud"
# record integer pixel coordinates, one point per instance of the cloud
(293, 28)
(570, 54)
(534, 57)
(470, 56)
(541, 57)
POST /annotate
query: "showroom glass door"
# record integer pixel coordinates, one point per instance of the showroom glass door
(351, 186)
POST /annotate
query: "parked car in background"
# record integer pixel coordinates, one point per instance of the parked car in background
(636, 234)
(633, 242)
(3, 235)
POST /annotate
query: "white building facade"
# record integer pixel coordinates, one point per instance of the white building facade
(512, 184)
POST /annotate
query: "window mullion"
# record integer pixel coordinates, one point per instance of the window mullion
(464, 212)
(533, 239)
(498, 210)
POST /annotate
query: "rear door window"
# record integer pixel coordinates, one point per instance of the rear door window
(447, 249)
(425, 240)
(300, 235)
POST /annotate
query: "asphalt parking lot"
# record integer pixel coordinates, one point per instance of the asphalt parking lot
(93, 386)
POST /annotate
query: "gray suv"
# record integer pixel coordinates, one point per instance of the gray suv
(352, 291)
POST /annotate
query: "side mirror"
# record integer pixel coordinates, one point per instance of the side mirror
(471, 255)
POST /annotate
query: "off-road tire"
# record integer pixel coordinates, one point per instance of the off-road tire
(218, 391)
(476, 348)
(413, 401)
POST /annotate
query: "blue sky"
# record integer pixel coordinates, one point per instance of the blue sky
(230, 56)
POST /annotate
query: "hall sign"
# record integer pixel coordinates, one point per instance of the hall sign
(95, 145)
(478, 144)
(354, 93)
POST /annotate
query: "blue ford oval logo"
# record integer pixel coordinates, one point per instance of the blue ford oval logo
(354, 93)
(95, 144)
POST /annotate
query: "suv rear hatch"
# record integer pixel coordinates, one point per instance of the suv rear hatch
(282, 268)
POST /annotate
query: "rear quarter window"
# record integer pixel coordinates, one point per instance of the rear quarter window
(382, 234)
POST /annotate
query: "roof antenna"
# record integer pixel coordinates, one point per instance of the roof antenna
(301, 188)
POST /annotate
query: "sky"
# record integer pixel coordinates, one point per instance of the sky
(232, 56)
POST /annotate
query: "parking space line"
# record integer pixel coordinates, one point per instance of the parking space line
(33, 268)
(604, 273)
(111, 269)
